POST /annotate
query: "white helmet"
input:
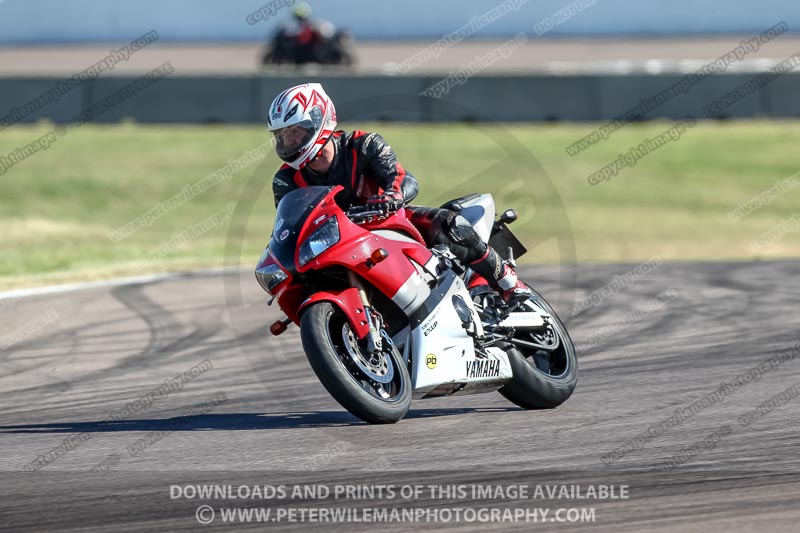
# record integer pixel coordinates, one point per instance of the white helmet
(302, 119)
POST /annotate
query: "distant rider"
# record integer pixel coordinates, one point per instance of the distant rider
(305, 35)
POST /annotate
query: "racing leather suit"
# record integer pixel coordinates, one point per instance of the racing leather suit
(365, 165)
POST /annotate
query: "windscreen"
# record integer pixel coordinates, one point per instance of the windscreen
(293, 210)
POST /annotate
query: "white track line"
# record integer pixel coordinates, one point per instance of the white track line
(114, 282)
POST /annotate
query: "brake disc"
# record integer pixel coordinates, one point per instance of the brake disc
(378, 367)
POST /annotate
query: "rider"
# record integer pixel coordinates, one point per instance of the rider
(301, 40)
(303, 120)
(306, 34)
(307, 29)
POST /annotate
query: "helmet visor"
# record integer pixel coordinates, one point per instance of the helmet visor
(289, 140)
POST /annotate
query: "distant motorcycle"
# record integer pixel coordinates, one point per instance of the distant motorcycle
(287, 48)
(383, 318)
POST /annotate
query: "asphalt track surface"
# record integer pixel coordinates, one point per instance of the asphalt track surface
(96, 350)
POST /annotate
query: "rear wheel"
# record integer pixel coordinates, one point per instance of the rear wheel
(546, 374)
(375, 388)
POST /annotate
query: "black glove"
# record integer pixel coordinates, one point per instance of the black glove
(388, 202)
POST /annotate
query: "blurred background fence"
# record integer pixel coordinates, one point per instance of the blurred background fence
(517, 60)
(244, 99)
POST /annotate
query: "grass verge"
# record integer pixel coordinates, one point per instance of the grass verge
(60, 207)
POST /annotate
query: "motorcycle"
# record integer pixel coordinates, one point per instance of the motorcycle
(335, 48)
(384, 319)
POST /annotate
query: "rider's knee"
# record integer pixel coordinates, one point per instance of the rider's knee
(461, 232)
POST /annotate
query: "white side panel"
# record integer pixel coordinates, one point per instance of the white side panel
(440, 344)
(412, 293)
(415, 290)
(444, 357)
(495, 371)
(394, 235)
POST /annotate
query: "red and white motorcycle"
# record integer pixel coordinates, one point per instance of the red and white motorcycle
(384, 319)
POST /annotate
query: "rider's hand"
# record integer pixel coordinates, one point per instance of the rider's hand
(388, 202)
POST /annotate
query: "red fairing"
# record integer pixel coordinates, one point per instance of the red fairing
(353, 250)
(356, 244)
(346, 300)
(399, 222)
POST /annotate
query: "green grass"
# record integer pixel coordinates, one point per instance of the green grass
(58, 207)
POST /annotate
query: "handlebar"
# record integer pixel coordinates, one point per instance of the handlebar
(365, 213)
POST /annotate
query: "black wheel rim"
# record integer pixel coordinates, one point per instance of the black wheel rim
(555, 363)
(362, 367)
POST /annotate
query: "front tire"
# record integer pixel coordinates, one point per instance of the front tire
(375, 389)
(542, 380)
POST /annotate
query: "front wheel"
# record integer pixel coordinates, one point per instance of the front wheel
(543, 378)
(375, 388)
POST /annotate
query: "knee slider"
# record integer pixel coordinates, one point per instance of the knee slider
(461, 231)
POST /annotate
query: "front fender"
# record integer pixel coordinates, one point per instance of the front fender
(348, 302)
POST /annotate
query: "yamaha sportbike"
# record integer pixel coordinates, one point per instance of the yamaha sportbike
(383, 318)
(285, 48)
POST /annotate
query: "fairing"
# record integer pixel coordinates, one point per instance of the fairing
(401, 277)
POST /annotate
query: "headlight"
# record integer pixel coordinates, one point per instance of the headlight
(270, 276)
(319, 241)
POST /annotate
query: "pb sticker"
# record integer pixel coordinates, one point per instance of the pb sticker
(430, 360)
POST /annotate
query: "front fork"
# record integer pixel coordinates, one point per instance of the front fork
(374, 338)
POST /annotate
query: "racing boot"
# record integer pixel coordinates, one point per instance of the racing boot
(501, 276)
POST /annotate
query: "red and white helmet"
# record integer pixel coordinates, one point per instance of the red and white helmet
(302, 119)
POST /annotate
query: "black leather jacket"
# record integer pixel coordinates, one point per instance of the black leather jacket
(363, 163)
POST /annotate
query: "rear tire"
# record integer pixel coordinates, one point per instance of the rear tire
(532, 388)
(323, 329)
